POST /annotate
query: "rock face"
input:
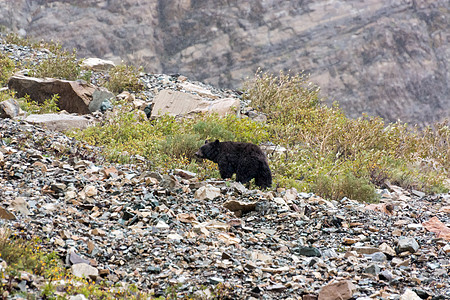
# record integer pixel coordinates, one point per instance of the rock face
(386, 58)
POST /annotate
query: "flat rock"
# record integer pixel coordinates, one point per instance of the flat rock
(6, 215)
(178, 103)
(84, 270)
(436, 226)
(240, 206)
(97, 64)
(59, 122)
(207, 192)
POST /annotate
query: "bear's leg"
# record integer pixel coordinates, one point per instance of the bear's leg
(245, 173)
(226, 171)
(264, 177)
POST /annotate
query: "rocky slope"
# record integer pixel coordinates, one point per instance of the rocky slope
(384, 58)
(124, 224)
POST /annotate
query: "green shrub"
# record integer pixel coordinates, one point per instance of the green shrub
(124, 78)
(13, 38)
(30, 106)
(330, 154)
(7, 68)
(60, 64)
(5, 95)
(346, 185)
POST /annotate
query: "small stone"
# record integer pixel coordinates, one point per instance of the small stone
(308, 251)
(339, 290)
(349, 241)
(10, 109)
(418, 193)
(74, 259)
(446, 248)
(6, 215)
(379, 257)
(276, 287)
(407, 244)
(365, 250)
(409, 295)
(386, 249)
(207, 192)
(239, 206)
(90, 191)
(98, 232)
(78, 297)
(84, 270)
(385, 275)
(174, 236)
(162, 225)
(19, 204)
(185, 174)
(372, 269)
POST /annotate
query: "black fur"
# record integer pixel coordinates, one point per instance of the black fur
(247, 160)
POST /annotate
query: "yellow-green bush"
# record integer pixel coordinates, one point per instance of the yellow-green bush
(49, 105)
(61, 64)
(6, 69)
(124, 78)
(332, 154)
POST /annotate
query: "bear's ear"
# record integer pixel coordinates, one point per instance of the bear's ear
(206, 142)
(216, 142)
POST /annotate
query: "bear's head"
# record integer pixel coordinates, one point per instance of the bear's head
(210, 150)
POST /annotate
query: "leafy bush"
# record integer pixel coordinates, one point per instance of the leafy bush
(168, 142)
(124, 78)
(332, 155)
(49, 105)
(60, 64)
(6, 69)
(13, 38)
(5, 95)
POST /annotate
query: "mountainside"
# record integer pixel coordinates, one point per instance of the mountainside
(384, 58)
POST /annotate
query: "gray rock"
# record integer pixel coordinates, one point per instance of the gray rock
(372, 269)
(308, 251)
(407, 244)
(379, 257)
(97, 64)
(10, 109)
(178, 103)
(59, 122)
(84, 270)
(99, 97)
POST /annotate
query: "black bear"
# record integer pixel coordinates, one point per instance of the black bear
(245, 159)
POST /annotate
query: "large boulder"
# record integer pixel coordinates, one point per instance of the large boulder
(179, 103)
(74, 96)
